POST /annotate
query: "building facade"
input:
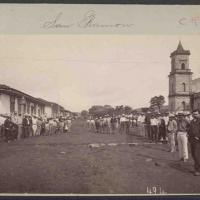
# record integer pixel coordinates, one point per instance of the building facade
(12, 100)
(184, 93)
(180, 79)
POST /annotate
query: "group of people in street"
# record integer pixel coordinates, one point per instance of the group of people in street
(153, 126)
(17, 126)
(111, 124)
(177, 130)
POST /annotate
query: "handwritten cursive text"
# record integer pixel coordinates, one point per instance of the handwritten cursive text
(55, 23)
(89, 20)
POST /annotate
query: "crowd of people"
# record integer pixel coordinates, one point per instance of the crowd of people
(111, 124)
(176, 130)
(17, 126)
(153, 126)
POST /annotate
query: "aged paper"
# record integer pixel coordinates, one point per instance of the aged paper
(59, 61)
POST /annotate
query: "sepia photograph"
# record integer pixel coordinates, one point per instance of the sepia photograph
(99, 100)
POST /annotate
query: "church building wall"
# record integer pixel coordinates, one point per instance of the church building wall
(180, 79)
(182, 103)
(183, 83)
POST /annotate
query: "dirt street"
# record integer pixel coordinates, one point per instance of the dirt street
(67, 164)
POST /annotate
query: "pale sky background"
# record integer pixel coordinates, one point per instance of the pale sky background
(78, 71)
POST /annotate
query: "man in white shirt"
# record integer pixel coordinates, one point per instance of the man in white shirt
(154, 128)
(34, 120)
(141, 121)
(122, 123)
(166, 119)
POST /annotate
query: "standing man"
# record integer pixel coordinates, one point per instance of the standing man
(127, 124)
(122, 123)
(43, 130)
(108, 124)
(148, 125)
(182, 139)
(162, 129)
(69, 124)
(39, 126)
(113, 122)
(92, 125)
(30, 125)
(34, 122)
(25, 125)
(194, 139)
(20, 129)
(8, 129)
(97, 125)
(141, 120)
(14, 120)
(172, 128)
(154, 128)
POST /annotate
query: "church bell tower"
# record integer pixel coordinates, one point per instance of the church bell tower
(180, 79)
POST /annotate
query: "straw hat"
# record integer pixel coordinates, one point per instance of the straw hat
(171, 115)
(180, 113)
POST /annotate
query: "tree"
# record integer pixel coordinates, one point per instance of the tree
(84, 114)
(109, 109)
(127, 109)
(96, 110)
(119, 110)
(144, 109)
(157, 102)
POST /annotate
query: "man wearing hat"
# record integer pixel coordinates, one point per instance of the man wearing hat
(172, 128)
(194, 139)
(182, 129)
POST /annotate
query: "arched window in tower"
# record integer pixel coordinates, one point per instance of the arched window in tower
(183, 105)
(183, 66)
(184, 87)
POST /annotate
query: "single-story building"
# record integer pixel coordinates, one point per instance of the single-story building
(12, 100)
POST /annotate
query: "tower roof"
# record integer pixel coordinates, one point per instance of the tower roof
(180, 50)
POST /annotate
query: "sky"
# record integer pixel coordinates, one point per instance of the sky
(78, 71)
